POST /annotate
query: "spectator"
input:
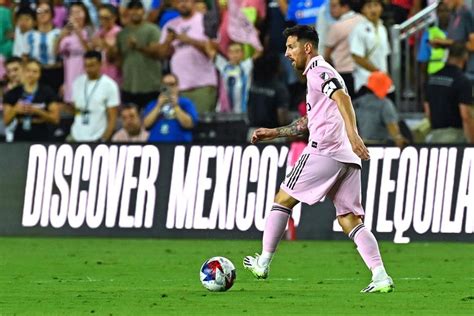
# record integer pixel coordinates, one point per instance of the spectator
(268, 97)
(95, 98)
(170, 118)
(433, 59)
(25, 22)
(40, 45)
(106, 39)
(461, 29)
(152, 9)
(139, 49)
(303, 11)
(337, 43)
(89, 6)
(189, 62)
(275, 42)
(33, 105)
(133, 130)
(403, 9)
(324, 22)
(449, 101)
(6, 32)
(235, 75)
(73, 42)
(60, 13)
(377, 117)
(168, 12)
(14, 71)
(369, 44)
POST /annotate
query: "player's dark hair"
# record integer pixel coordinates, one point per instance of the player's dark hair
(458, 50)
(14, 59)
(93, 54)
(304, 33)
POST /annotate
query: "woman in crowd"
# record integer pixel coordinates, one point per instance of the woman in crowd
(40, 45)
(73, 42)
(32, 104)
(106, 38)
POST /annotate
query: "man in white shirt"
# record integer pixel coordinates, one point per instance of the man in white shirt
(337, 43)
(96, 98)
(369, 44)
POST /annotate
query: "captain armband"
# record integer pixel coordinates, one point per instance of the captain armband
(330, 86)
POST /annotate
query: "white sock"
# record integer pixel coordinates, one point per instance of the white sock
(265, 258)
(379, 273)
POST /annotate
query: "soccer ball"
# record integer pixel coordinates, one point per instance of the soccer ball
(217, 274)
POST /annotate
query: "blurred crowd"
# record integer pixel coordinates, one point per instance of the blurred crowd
(153, 70)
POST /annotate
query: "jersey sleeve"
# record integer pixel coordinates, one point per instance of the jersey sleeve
(324, 80)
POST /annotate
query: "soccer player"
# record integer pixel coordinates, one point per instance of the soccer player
(329, 166)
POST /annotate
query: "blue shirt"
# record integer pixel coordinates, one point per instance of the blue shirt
(303, 11)
(168, 14)
(424, 51)
(167, 128)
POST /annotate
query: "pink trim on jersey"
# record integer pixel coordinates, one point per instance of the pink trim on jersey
(327, 133)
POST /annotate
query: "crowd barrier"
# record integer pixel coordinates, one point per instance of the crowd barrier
(222, 191)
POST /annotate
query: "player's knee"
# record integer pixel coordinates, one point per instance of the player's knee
(282, 198)
(348, 222)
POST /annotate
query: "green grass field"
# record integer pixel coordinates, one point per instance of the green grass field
(66, 276)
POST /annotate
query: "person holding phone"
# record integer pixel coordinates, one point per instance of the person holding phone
(170, 118)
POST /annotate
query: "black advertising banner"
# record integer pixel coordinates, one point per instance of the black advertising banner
(223, 191)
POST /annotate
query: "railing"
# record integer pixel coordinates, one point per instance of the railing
(407, 94)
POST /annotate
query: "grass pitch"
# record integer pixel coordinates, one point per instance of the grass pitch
(66, 276)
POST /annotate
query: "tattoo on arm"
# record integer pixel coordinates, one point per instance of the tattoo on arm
(298, 127)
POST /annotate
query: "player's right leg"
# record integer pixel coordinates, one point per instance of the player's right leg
(274, 229)
(346, 197)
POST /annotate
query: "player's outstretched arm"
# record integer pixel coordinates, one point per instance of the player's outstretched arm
(298, 127)
(344, 105)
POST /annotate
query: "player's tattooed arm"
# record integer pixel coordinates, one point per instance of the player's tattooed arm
(298, 127)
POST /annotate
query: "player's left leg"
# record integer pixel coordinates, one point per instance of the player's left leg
(368, 249)
(346, 197)
(275, 226)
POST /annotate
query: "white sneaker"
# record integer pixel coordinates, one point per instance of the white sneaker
(383, 286)
(251, 263)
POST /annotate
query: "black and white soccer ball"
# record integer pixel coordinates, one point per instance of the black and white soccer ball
(217, 274)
